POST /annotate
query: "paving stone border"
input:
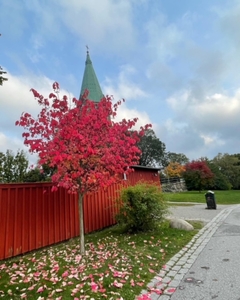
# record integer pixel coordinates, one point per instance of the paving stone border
(164, 284)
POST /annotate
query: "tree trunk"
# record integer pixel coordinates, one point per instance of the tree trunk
(81, 223)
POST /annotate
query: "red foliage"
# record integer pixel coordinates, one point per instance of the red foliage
(87, 148)
(197, 175)
(200, 166)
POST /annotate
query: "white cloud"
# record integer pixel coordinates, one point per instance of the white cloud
(216, 113)
(200, 127)
(106, 23)
(123, 86)
(129, 113)
(16, 98)
(163, 38)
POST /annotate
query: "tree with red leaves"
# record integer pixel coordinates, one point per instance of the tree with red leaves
(85, 146)
(198, 175)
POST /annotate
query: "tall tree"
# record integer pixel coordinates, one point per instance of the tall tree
(176, 158)
(2, 78)
(44, 173)
(2, 73)
(174, 169)
(13, 167)
(86, 147)
(229, 165)
(153, 150)
(198, 175)
(220, 181)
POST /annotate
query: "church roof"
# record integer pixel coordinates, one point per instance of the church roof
(90, 82)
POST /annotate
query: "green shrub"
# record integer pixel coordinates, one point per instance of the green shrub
(142, 207)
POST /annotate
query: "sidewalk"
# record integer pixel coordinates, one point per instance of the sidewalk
(208, 267)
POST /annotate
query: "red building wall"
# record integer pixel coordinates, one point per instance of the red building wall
(32, 217)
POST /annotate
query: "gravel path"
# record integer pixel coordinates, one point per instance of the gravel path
(196, 211)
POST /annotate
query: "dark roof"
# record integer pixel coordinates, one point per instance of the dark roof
(90, 82)
(144, 167)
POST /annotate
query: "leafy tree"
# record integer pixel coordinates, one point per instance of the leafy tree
(142, 207)
(176, 158)
(13, 167)
(220, 181)
(229, 166)
(44, 173)
(197, 175)
(2, 78)
(87, 149)
(153, 150)
(174, 169)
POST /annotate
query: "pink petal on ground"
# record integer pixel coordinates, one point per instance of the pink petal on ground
(3, 266)
(151, 271)
(40, 290)
(94, 286)
(65, 274)
(117, 284)
(140, 283)
(24, 295)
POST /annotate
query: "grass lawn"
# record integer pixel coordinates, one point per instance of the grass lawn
(116, 266)
(222, 197)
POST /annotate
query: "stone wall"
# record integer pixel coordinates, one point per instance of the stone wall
(173, 186)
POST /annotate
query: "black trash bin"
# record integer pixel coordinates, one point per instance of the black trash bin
(210, 200)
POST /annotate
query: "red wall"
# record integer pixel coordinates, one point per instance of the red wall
(31, 216)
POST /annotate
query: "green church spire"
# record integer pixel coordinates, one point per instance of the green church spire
(90, 82)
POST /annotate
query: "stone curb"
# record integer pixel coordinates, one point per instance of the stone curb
(164, 284)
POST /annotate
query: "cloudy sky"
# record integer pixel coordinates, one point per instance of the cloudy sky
(176, 63)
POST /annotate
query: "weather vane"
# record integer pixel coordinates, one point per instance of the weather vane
(87, 48)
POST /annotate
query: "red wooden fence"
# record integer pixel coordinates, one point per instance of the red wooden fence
(31, 216)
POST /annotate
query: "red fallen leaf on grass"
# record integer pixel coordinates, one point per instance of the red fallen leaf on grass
(140, 283)
(132, 282)
(14, 266)
(3, 266)
(31, 287)
(26, 279)
(117, 284)
(40, 290)
(24, 295)
(55, 268)
(94, 286)
(151, 271)
(65, 274)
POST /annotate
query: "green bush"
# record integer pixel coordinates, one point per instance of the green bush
(142, 207)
